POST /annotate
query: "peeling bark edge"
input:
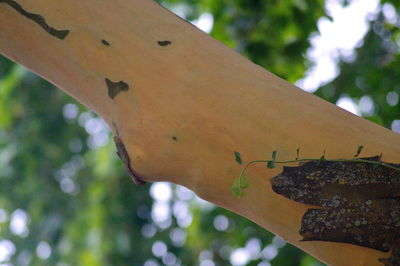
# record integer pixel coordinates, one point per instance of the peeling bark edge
(124, 156)
(359, 203)
(60, 34)
(395, 258)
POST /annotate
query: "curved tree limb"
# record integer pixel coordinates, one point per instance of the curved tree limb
(181, 103)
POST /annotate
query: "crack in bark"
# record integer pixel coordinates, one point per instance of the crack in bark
(60, 34)
(124, 156)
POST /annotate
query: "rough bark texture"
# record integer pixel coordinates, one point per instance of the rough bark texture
(360, 201)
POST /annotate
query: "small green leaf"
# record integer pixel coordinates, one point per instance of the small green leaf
(244, 183)
(271, 164)
(359, 149)
(238, 157)
(273, 155)
(237, 192)
(241, 182)
(236, 181)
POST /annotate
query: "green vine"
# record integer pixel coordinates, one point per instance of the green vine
(241, 183)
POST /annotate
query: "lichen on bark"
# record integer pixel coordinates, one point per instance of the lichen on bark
(359, 203)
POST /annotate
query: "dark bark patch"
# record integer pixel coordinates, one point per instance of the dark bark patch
(164, 43)
(60, 34)
(124, 156)
(360, 202)
(368, 225)
(105, 42)
(174, 138)
(115, 87)
(395, 258)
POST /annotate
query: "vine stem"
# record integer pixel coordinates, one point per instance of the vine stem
(343, 160)
(245, 167)
(314, 160)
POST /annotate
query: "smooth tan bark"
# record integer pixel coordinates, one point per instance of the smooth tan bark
(212, 100)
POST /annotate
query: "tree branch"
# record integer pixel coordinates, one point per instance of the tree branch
(182, 103)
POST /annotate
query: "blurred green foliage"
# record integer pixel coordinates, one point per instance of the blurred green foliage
(65, 198)
(372, 78)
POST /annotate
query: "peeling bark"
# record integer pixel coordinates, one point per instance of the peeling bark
(124, 156)
(360, 202)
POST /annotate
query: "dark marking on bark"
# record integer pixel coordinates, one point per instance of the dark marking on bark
(124, 156)
(115, 87)
(105, 42)
(174, 138)
(164, 43)
(60, 34)
(360, 202)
